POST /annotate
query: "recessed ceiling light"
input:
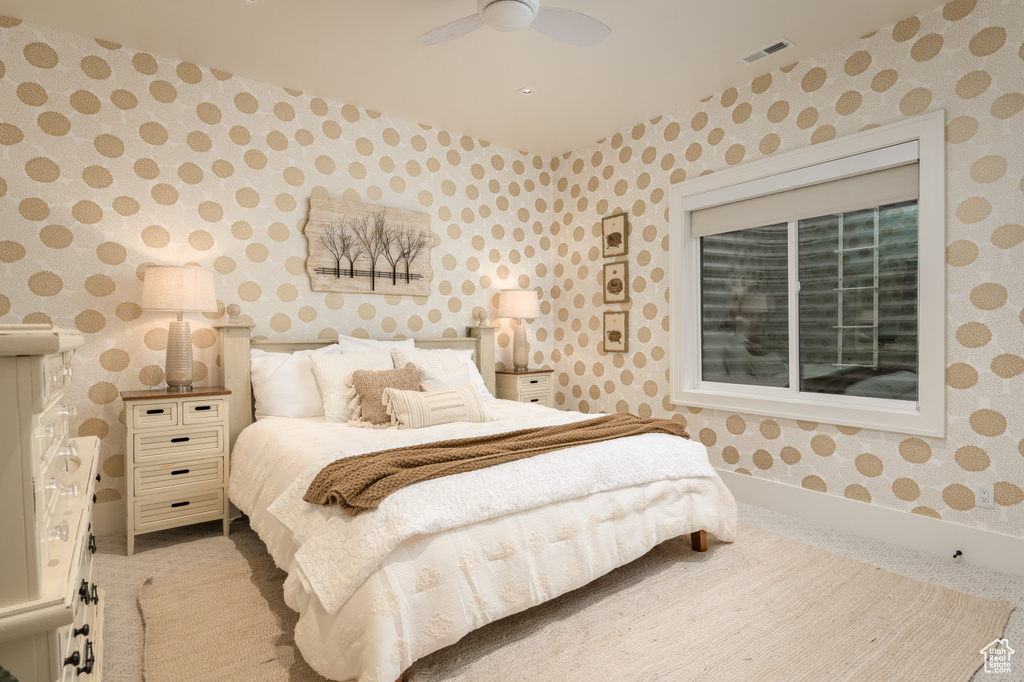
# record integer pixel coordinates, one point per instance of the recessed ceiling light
(525, 91)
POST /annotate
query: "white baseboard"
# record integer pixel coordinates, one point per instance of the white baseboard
(108, 518)
(997, 551)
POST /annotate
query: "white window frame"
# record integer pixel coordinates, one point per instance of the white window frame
(928, 416)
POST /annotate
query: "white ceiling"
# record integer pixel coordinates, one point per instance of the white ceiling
(661, 56)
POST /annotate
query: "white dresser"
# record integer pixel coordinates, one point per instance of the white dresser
(51, 613)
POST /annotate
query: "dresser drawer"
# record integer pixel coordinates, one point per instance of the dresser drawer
(178, 444)
(179, 510)
(202, 411)
(147, 415)
(167, 477)
(54, 374)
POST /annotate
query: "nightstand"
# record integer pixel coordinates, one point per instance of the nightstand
(176, 459)
(532, 386)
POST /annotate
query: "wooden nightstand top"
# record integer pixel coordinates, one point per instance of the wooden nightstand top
(523, 373)
(157, 393)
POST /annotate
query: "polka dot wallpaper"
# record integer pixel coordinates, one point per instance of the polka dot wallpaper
(111, 159)
(965, 57)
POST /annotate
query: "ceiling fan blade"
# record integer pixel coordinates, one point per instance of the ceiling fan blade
(455, 29)
(570, 27)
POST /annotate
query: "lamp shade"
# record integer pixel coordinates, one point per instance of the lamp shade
(518, 303)
(184, 288)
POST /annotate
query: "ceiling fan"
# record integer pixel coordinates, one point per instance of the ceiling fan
(567, 26)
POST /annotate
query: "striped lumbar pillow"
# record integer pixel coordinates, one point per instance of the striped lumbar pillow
(413, 410)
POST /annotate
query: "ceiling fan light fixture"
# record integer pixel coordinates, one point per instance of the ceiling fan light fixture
(509, 15)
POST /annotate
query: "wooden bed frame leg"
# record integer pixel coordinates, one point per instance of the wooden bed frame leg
(698, 541)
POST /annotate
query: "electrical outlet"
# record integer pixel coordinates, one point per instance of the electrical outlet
(984, 494)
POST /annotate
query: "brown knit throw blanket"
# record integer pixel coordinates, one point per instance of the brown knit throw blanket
(361, 482)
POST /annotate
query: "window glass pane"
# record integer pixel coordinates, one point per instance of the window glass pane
(745, 307)
(858, 303)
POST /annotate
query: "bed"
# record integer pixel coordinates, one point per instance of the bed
(440, 558)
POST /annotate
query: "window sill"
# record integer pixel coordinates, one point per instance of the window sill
(883, 415)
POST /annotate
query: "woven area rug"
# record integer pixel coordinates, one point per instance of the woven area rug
(765, 608)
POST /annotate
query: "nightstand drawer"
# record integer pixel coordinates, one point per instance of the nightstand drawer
(539, 383)
(202, 411)
(178, 444)
(149, 415)
(180, 510)
(167, 477)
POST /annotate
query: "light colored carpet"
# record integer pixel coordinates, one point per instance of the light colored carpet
(765, 607)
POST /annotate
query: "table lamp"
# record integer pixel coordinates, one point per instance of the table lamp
(181, 289)
(520, 304)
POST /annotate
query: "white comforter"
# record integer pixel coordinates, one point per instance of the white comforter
(442, 557)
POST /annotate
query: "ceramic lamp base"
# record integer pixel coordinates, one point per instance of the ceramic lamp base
(520, 348)
(178, 366)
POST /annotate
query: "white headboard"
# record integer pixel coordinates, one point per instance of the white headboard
(235, 344)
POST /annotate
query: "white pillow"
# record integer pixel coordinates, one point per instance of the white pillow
(351, 344)
(443, 378)
(443, 358)
(283, 383)
(332, 373)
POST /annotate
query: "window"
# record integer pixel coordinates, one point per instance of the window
(811, 285)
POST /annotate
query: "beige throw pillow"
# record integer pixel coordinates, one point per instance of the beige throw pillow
(412, 410)
(368, 387)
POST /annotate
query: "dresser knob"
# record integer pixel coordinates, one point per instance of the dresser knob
(83, 591)
(98, 477)
(74, 659)
(84, 630)
(92, 544)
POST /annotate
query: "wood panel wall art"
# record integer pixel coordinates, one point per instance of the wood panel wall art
(362, 248)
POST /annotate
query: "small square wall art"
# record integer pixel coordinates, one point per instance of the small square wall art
(614, 233)
(616, 282)
(616, 331)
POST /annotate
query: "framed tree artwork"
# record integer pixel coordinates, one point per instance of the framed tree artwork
(616, 331)
(614, 235)
(616, 282)
(357, 247)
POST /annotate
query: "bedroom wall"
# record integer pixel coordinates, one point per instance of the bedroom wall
(965, 57)
(112, 158)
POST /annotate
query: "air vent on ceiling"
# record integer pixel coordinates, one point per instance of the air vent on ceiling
(771, 49)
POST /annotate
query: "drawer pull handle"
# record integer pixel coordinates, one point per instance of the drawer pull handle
(84, 630)
(94, 498)
(180, 504)
(95, 597)
(179, 471)
(160, 411)
(534, 381)
(201, 408)
(534, 400)
(183, 439)
(90, 658)
(74, 659)
(92, 549)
